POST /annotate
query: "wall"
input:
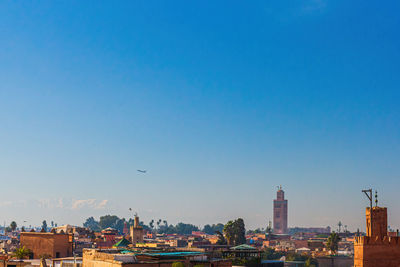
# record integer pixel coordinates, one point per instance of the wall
(47, 244)
(377, 252)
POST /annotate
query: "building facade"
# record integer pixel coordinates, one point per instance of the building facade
(280, 213)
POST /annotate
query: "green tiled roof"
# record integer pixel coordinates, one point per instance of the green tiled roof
(122, 243)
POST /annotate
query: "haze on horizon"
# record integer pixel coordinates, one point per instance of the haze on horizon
(219, 101)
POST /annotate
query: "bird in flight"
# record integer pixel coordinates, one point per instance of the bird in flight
(142, 171)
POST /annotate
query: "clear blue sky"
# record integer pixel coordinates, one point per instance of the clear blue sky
(220, 101)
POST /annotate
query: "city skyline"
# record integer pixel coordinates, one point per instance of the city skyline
(219, 103)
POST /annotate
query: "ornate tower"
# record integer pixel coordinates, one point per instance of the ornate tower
(280, 212)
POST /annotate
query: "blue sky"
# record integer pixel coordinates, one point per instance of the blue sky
(220, 101)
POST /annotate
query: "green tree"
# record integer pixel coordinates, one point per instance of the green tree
(208, 229)
(333, 242)
(44, 225)
(141, 223)
(185, 228)
(271, 254)
(229, 233)
(151, 224)
(108, 221)
(221, 239)
(13, 225)
(235, 232)
(92, 224)
(340, 225)
(119, 225)
(158, 223)
(164, 227)
(240, 232)
(22, 253)
(212, 229)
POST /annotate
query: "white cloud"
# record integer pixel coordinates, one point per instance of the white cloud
(102, 204)
(80, 203)
(13, 203)
(48, 203)
(73, 204)
(89, 203)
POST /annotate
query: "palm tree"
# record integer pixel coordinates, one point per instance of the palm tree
(340, 225)
(13, 225)
(151, 224)
(333, 242)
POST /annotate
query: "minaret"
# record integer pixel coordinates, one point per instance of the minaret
(280, 212)
(136, 231)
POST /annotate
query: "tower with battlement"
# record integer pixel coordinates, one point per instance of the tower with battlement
(376, 249)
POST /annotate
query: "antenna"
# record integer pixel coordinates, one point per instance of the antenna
(368, 193)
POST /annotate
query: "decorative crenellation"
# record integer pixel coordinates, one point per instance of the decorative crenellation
(386, 240)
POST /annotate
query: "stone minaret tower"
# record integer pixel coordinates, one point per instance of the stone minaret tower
(280, 213)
